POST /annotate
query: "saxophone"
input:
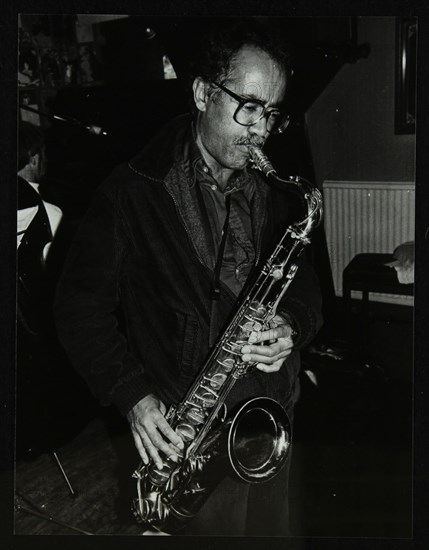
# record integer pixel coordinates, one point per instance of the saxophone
(256, 440)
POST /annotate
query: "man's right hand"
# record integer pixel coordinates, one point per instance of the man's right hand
(151, 431)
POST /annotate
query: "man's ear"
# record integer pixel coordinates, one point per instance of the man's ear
(34, 160)
(200, 89)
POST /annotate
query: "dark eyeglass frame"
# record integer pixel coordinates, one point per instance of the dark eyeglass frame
(243, 100)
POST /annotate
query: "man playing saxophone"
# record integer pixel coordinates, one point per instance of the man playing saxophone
(168, 245)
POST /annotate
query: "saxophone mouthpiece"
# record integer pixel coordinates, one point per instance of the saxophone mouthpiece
(261, 161)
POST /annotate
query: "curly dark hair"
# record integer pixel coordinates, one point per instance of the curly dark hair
(217, 49)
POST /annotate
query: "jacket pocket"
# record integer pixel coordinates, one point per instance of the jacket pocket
(172, 334)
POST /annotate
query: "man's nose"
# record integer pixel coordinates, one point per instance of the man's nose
(260, 128)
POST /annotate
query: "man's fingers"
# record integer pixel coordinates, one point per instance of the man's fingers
(282, 331)
(157, 441)
(271, 351)
(153, 436)
(152, 450)
(140, 448)
(145, 446)
(165, 428)
(267, 354)
(270, 334)
(270, 360)
(270, 368)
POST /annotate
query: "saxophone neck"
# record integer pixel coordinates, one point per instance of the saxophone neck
(309, 195)
(261, 162)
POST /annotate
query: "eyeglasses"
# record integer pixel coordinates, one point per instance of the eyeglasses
(250, 111)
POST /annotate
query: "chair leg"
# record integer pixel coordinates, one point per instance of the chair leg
(347, 301)
(63, 473)
(365, 324)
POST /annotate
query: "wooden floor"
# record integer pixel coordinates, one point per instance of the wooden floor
(90, 463)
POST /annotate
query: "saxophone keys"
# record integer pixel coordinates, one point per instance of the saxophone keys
(196, 415)
(292, 270)
(228, 364)
(231, 347)
(195, 490)
(186, 431)
(277, 272)
(217, 380)
(259, 310)
(208, 398)
(251, 326)
(240, 370)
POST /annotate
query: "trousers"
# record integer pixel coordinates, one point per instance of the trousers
(237, 508)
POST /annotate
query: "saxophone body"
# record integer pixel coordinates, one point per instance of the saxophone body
(255, 441)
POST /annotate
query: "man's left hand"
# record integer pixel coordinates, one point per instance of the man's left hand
(269, 348)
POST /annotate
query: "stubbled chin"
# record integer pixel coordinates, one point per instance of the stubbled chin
(242, 160)
(240, 165)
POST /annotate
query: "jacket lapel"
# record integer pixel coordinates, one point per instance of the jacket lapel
(185, 197)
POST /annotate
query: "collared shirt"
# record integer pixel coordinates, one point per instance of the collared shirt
(26, 215)
(239, 254)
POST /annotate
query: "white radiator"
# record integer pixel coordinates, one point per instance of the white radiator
(367, 217)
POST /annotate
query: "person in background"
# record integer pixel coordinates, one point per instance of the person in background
(43, 414)
(35, 216)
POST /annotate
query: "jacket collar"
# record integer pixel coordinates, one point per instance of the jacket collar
(164, 150)
(27, 194)
(171, 158)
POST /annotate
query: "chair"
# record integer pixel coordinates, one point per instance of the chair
(368, 273)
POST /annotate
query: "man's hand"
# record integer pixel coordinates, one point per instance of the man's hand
(269, 357)
(151, 431)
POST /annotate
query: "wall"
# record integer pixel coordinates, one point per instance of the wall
(351, 125)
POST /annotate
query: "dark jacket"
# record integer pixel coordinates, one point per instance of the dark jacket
(133, 304)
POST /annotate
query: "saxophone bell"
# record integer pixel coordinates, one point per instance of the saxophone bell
(259, 440)
(310, 196)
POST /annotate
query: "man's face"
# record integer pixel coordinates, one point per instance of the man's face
(255, 76)
(40, 167)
